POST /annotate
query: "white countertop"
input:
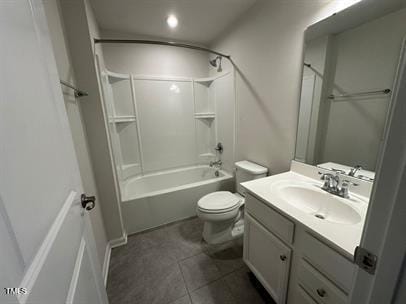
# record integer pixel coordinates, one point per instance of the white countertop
(344, 237)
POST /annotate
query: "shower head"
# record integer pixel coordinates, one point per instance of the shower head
(213, 63)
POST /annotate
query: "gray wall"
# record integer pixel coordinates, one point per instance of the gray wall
(81, 29)
(365, 58)
(266, 46)
(156, 60)
(73, 109)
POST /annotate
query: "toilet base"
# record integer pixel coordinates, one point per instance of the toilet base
(221, 232)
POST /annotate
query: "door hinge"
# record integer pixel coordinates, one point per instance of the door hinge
(365, 259)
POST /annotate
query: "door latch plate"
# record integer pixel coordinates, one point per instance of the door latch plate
(365, 259)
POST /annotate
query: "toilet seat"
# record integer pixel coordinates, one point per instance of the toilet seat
(219, 202)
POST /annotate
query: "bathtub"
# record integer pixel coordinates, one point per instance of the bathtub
(159, 198)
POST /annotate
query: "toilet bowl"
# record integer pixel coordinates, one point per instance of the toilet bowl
(223, 211)
(220, 212)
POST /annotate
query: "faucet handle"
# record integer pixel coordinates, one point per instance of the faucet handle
(343, 192)
(326, 177)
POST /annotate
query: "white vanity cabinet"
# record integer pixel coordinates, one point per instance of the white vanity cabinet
(268, 258)
(293, 265)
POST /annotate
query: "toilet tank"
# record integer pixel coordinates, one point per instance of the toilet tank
(246, 171)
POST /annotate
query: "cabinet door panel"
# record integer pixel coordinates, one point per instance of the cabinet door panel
(267, 257)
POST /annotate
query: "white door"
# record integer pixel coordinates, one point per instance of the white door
(47, 250)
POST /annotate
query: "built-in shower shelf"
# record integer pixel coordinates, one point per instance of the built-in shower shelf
(206, 81)
(206, 155)
(122, 119)
(129, 170)
(206, 115)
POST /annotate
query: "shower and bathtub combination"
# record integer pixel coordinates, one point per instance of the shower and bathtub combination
(163, 135)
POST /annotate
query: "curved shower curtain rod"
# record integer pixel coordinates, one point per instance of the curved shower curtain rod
(158, 42)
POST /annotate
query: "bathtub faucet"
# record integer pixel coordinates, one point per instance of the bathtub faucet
(216, 164)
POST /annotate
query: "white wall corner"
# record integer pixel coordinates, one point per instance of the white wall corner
(119, 242)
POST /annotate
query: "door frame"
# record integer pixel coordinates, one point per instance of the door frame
(385, 223)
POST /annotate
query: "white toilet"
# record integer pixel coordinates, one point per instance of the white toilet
(222, 211)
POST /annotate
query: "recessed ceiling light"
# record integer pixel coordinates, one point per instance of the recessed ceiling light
(172, 21)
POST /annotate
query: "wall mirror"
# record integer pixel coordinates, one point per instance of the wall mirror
(350, 64)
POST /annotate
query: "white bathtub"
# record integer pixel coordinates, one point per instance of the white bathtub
(159, 198)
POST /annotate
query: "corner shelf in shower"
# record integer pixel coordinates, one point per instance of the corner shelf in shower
(116, 75)
(122, 119)
(205, 115)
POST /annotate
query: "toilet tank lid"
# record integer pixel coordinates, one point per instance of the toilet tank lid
(250, 167)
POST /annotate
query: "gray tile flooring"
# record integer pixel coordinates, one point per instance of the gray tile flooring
(173, 265)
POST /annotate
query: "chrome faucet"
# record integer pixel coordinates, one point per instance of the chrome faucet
(216, 164)
(354, 170)
(332, 184)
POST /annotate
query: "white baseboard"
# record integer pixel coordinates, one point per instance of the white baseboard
(106, 263)
(119, 242)
(110, 245)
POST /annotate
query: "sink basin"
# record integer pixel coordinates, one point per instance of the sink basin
(320, 204)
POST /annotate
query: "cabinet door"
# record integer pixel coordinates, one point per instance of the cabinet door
(268, 258)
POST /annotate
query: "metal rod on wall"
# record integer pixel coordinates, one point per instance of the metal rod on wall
(158, 42)
(77, 92)
(384, 92)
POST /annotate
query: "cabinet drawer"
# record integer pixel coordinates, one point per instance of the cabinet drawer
(300, 296)
(269, 218)
(318, 286)
(332, 264)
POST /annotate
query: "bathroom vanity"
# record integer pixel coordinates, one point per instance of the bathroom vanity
(299, 240)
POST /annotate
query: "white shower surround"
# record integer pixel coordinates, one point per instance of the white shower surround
(155, 199)
(199, 146)
(157, 196)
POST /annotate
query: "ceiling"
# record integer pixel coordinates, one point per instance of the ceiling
(200, 21)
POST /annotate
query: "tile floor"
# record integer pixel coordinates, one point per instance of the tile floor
(173, 265)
